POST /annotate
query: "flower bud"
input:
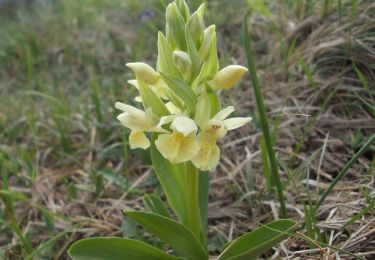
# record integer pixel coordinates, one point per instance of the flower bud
(183, 63)
(175, 28)
(196, 28)
(209, 35)
(183, 8)
(227, 77)
(144, 72)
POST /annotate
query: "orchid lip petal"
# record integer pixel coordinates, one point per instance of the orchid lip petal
(184, 125)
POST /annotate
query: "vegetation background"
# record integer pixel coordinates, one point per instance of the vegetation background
(67, 171)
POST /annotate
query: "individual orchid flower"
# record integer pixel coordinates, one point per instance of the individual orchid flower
(149, 76)
(216, 128)
(181, 145)
(139, 122)
(227, 77)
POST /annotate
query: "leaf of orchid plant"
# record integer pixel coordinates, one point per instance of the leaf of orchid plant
(252, 244)
(115, 248)
(150, 99)
(182, 90)
(171, 178)
(171, 232)
(153, 203)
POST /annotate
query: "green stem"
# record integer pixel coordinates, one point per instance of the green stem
(192, 203)
(344, 170)
(203, 183)
(263, 117)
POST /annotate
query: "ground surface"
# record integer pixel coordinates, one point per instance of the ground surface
(65, 163)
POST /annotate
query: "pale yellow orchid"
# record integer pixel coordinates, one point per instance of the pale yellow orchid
(138, 122)
(227, 77)
(217, 127)
(181, 145)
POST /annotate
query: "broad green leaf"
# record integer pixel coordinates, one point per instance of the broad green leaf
(252, 244)
(171, 232)
(182, 90)
(171, 179)
(150, 99)
(153, 203)
(115, 248)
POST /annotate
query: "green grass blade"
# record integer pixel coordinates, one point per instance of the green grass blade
(263, 116)
(360, 214)
(344, 170)
(308, 72)
(6, 196)
(96, 100)
(266, 166)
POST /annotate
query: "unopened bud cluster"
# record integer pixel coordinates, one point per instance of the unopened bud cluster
(180, 97)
